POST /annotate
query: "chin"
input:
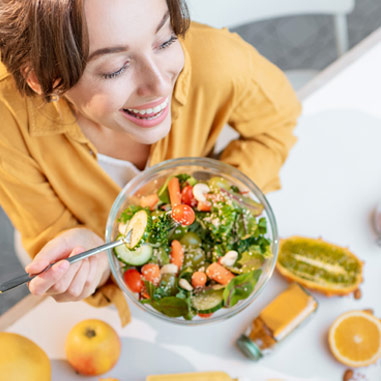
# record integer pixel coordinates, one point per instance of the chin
(151, 135)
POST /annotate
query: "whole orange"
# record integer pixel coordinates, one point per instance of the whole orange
(92, 347)
(22, 359)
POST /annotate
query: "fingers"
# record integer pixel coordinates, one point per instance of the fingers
(58, 277)
(53, 251)
(65, 282)
(72, 288)
(43, 282)
(61, 247)
(88, 285)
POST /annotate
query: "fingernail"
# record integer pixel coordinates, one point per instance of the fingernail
(35, 266)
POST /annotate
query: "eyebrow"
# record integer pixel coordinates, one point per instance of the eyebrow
(123, 48)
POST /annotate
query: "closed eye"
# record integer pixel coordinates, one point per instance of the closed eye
(169, 42)
(115, 73)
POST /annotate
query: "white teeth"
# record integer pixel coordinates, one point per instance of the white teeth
(154, 110)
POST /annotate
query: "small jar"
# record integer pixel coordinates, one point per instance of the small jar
(276, 321)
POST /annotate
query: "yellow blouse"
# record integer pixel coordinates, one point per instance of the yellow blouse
(50, 180)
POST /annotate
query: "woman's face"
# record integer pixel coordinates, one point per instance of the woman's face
(134, 62)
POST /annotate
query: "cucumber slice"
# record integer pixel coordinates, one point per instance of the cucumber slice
(140, 226)
(208, 301)
(137, 257)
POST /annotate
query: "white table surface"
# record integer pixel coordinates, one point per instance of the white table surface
(331, 184)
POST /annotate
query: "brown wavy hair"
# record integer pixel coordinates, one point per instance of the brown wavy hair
(49, 38)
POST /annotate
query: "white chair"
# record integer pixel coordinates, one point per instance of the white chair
(233, 13)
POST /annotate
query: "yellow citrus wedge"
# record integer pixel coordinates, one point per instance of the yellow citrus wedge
(355, 338)
(319, 265)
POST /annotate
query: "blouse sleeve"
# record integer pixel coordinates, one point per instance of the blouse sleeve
(264, 114)
(25, 192)
(35, 209)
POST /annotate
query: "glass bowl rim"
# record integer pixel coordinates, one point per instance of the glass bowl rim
(202, 162)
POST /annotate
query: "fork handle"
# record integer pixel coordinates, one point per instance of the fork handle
(12, 283)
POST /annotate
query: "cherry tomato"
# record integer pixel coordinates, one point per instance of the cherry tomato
(183, 214)
(187, 196)
(133, 279)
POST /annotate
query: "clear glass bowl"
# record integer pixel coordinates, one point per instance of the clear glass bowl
(202, 169)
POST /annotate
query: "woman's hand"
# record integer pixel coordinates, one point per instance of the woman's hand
(67, 282)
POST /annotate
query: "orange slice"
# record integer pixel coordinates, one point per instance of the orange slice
(319, 265)
(355, 338)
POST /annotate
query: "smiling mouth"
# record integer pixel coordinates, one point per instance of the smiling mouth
(149, 113)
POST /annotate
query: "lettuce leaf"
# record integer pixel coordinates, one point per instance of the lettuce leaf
(240, 287)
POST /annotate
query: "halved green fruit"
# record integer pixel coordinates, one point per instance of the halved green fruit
(208, 301)
(319, 265)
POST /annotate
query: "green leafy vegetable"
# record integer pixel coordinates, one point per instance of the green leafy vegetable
(234, 222)
(240, 287)
(128, 213)
(171, 306)
(183, 177)
(161, 226)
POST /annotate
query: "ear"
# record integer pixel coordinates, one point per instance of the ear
(32, 82)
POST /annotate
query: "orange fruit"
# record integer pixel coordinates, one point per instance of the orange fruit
(22, 359)
(319, 265)
(355, 338)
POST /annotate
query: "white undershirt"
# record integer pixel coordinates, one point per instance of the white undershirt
(121, 171)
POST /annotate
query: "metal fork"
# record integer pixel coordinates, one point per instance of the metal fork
(25, 278)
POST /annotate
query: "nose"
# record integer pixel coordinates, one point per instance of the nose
(152, 80)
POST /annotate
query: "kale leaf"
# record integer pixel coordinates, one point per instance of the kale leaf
(161, 226)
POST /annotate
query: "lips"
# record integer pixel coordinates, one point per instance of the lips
(148, 115)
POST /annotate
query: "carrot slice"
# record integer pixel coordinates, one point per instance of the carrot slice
(204, 206)
(177, 253)
(218, 273)
(205, 316)
(151, 273)
(198, 279)
(149, 201)
(174, 191)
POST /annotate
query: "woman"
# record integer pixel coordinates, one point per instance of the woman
(92, 92)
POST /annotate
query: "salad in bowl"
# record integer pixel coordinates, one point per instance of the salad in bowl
(202, 240)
